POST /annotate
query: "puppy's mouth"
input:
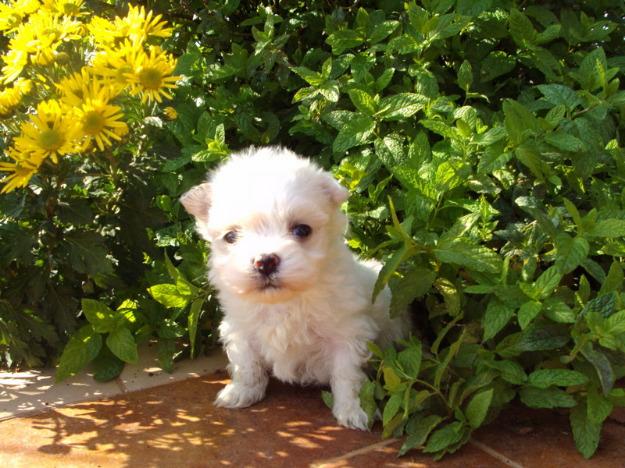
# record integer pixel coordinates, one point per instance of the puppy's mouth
(268, 284)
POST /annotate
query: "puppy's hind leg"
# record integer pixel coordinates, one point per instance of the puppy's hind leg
(249, 377)
(346, 380)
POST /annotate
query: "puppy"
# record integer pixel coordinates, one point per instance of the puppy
(296, 301)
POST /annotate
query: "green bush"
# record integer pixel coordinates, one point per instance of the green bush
(80, 222)
(481, 143)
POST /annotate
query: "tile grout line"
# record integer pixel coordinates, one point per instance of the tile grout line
(495, 454)
(353, 453)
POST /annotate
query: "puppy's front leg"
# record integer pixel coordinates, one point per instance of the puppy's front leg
(346, 379)
(249, 377)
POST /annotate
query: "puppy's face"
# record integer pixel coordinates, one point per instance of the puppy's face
(273, 222)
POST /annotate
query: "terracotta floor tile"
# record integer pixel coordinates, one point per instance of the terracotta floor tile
(542, 438)
(176, 425)
(386, 455)
(618, 415)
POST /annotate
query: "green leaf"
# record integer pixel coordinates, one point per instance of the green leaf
(450, 294)
(413, 285)
(389, 268)
(609, 228)
(311, 77)
(354, 133)
(122, 344)
(602, 305)
(99, 315)
(547, 282)
(546, 398)
(391, 408)
(410, 360)
(419, 431)
(327, 398)
(88, 253)
(463, 253)
(106, 366)
(384, 79)
(169, 295)
(521, 28)
(344, 39)
(192, 321)
(495, 64)
(465, 75)
(571, 252)
(544, 378)
(166, 353)
(390, 150)
(533, 338)
(557, 310)
(528, 312)
(382, 30)
(585, 432)
(616, 323)
(613, 280)
(519, 121)
(82, 348)
(602, 366)
(565, 142)
(510, 371)
(400, 106)
(477, 409)
(367, 401)
(362, 101)
(391, 379)
(558, 94)
(496, 317)
(599, 407)
(444, 437)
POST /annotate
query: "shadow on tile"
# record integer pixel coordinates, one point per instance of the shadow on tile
(177, 423)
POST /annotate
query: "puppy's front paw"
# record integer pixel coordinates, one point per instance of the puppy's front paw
(351, 415)
(235, 395)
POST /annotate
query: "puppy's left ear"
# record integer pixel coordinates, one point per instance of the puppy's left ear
(337, 193)
(197, 201)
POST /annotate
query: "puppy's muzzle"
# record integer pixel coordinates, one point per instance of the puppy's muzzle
(266, 264)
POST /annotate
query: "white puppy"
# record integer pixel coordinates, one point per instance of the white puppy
(296, 301)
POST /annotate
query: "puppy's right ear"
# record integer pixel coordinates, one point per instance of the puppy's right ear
(197, 201)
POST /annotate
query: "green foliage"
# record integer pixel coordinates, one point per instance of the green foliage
(481, 143)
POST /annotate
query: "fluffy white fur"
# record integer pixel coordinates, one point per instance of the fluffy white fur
(312, 325)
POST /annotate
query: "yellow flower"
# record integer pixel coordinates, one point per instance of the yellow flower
(170, 113)
(13, 14)
(49, 133)
(115, 64)
(9, 99)
(151, 77)
(15, 61)
(23, 85)
(98, 120)
(38, 40)
(77, 86)
(12, 96)
(138, 25)
(65, 7)
(103, 31)
(25, 166)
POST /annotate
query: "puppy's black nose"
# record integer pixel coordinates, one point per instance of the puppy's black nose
(266, 264)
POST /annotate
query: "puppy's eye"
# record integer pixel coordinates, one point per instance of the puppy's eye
(230, 237)
(301, 230)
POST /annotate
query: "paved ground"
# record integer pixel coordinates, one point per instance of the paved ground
(176, 425)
